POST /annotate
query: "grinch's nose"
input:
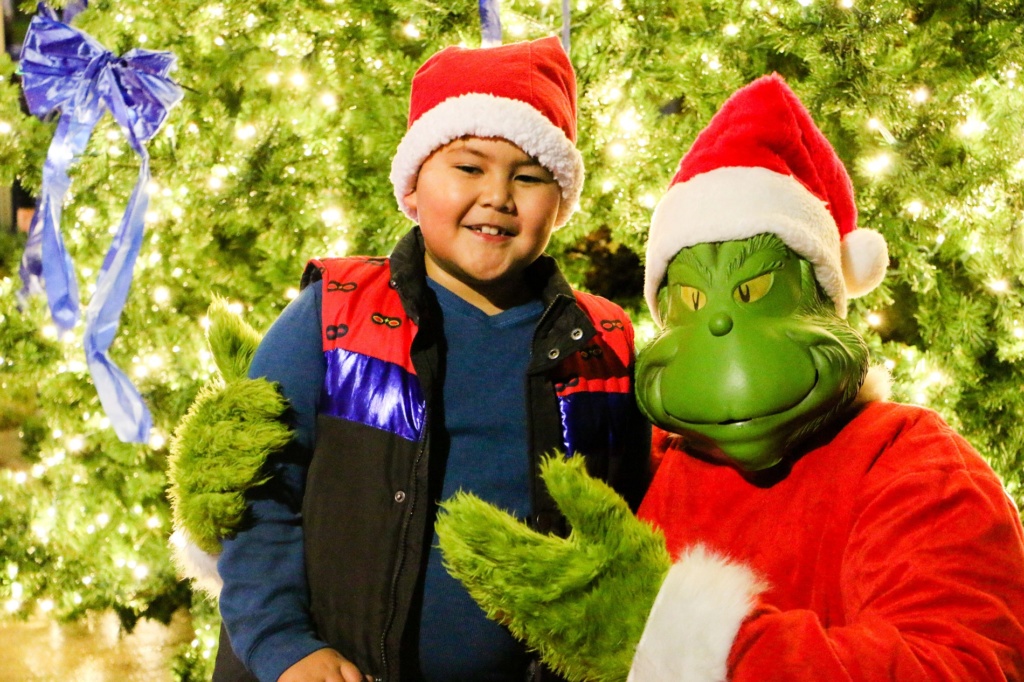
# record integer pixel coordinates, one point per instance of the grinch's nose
(720, 324)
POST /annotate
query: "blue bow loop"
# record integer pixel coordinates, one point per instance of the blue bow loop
(64, 70)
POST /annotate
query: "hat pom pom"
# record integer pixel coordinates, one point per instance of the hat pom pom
(865, 259)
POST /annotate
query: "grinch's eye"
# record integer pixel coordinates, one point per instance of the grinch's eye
(754, 289)
(692, 298)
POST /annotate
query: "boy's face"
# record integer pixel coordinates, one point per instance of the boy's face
(486, 210)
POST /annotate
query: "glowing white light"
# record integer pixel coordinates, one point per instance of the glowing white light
(805, 3)
(140, 371)
(607, 186)
(846, 4)
(5, 128)
(939, 239)
(12, 605)
(274, 78)
(17, 590)
(218, 41)
(12, 570)
(999, 285)
(236, 308)
(331, 215)
(49, 331)
(152, 522)
(411, 31)
(215, 182)
(920, 95)
(874, 319)
(329, 100)
(76, 443)
(617, 150)
(87, 580)
(915, 208)
(973, 126)
(298, 79)
(161, 295)
(204, 322)
(648, 200)
(103, 518)
(46, 605)
(291, 294)
(878, 164)
(20, 477)
(1018, 333)
(890, 364)
(246, 132)
(157, 440)
(731, 29)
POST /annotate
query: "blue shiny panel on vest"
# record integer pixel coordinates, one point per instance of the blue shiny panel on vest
(596, 423)
(372, 392)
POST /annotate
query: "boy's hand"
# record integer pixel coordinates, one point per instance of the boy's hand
(325, 665)
(581, 601)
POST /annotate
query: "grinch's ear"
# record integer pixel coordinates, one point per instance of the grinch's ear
(232, 340)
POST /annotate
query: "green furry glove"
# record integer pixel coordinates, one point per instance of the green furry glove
(582, 601)
(220, 447)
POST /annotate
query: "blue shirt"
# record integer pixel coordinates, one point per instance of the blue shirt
(485, 420)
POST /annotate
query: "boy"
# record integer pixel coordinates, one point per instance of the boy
(455, 363)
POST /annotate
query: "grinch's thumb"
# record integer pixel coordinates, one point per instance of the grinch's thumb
(232, 341)
(592, 508)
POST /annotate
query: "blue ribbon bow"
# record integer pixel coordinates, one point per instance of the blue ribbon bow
(65, 70)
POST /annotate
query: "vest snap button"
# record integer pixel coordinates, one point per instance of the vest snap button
(553, 354)
(400, 496)
(576, 334)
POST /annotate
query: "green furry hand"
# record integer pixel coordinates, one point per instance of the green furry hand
(222, 443)
(580, 601)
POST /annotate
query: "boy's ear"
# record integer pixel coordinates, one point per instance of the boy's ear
(410, 200)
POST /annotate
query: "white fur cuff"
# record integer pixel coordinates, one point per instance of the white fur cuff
(195, 564)
(694, 620)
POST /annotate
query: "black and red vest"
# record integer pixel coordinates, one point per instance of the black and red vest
(370, 498)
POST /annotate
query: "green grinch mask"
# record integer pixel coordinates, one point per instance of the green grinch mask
(753, 358)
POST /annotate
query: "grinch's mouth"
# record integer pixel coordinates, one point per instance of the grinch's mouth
(754, 419)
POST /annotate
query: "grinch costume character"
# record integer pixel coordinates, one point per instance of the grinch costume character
(799, 526)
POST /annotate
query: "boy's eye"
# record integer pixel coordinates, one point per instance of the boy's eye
(466, 168)
(754, 289)
(523, 177)
(692, 297)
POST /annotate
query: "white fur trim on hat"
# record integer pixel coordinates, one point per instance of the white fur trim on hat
(196, 565)
(693, 623)
(482, 115)
(738, 202)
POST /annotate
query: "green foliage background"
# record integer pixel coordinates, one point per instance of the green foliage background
(254, 173)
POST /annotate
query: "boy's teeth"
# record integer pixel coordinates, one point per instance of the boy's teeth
(487, 229)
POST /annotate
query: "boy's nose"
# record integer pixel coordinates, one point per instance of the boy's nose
(498, 195)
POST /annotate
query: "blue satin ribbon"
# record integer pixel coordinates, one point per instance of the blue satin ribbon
(566, 24)
(65, 70)
(490, 22)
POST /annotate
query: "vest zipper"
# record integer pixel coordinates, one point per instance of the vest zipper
(401, 550)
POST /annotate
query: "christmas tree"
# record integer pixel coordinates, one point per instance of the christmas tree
(280, 151)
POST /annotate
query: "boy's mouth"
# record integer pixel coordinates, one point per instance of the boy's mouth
(491, 230)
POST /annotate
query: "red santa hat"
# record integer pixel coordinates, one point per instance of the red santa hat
(761, 165)
(522, 92)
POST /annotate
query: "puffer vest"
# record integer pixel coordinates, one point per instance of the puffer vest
(373, 482)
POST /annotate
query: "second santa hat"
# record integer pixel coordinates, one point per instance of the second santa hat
(761, 165)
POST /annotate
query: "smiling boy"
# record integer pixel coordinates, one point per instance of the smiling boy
(456, 363)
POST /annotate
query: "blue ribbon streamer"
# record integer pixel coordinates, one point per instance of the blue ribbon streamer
(566, 17)
(490, 22)
(65, 70)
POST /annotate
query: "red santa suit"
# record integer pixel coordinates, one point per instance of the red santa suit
(891, 552)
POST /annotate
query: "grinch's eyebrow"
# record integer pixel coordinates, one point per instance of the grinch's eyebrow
(686, 257)
(757, 244)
